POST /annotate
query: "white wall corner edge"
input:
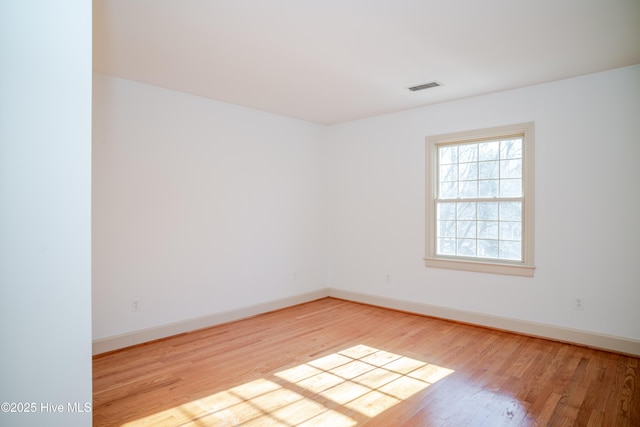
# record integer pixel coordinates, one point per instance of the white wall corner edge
(589, 339)
(556, 333)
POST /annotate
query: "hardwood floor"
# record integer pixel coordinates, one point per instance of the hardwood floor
(337, 363)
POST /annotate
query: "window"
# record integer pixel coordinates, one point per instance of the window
(480, 200)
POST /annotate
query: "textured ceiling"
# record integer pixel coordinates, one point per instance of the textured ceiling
(333, 61)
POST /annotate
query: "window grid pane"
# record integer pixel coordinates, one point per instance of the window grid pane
(479, 228)
(486, 169)
(491, 230)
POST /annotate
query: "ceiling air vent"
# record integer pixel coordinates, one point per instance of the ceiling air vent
(424, 86)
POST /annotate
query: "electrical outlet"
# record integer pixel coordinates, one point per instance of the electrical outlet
(388, 279)
(579, 303)
(135, 305)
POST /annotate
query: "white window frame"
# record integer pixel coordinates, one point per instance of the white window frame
(523, 268)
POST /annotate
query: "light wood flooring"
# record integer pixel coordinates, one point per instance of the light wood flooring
(337, 363)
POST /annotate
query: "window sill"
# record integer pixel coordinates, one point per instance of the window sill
(481, 267)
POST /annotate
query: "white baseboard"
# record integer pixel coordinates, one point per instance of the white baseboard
(116, 342)
(557, 333)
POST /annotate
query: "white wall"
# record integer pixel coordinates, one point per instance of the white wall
(587, 238)
(45, 202)
(199, 207)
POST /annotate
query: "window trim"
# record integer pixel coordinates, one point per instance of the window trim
(526, 267)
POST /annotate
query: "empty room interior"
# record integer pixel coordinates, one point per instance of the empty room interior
(269, 239)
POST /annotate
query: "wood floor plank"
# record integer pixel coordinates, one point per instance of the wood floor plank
(338, 363)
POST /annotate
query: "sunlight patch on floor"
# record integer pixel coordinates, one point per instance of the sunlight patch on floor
(336, 390)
